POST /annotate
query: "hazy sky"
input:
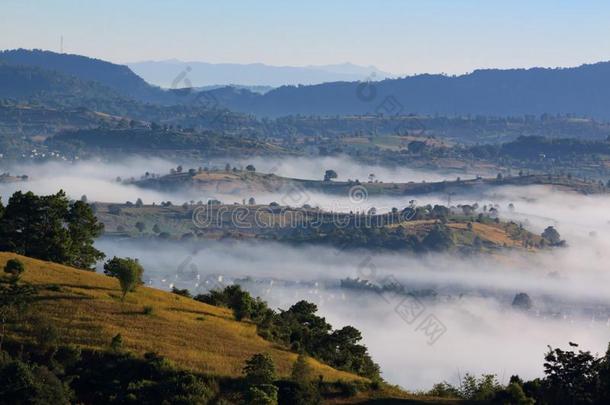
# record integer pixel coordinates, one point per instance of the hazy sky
(407, 36)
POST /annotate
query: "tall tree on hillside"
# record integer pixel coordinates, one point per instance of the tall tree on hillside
(83, 228)
(34, 226)
(50, 228)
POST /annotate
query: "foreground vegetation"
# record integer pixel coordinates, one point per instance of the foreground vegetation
(151, 335)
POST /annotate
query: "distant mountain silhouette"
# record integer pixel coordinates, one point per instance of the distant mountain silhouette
(57, 90)
(33, 84)
(116, 77)
(199, 74)
(583, 90)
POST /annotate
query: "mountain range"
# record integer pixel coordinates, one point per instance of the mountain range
(176, 74)
(582, 91)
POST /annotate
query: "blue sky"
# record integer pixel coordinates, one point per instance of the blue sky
(408, 36)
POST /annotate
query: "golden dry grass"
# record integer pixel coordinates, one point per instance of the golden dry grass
(494, 234)
(216, 176)
(88, 312)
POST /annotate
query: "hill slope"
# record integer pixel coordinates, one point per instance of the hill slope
(87, 309)
(119, 78)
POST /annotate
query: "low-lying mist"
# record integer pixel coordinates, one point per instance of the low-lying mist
(346, 168)
(97, 179)
(482, 332)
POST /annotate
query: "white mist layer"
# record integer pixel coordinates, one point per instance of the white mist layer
(483, 333)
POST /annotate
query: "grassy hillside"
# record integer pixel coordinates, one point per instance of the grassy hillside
(87, 310)
(239, 182)
(310, 225)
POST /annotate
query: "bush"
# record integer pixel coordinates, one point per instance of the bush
(259, 369)
(294, 393)
(184, 292)
(116, 344)
(14, 267)
(25, 384)
(148, 310)
(483, 388)
(348, 389)
(444, 390)
(46, 334)
(262, 395)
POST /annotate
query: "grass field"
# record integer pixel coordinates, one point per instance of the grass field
(87, 310)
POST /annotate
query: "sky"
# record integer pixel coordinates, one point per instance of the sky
(401, 37)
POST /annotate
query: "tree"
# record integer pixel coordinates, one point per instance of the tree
(571, 378)
(128, 271)
(34, 226)
(227, 167)
(250, 168)
(551, 235)
(262, 395)
(156, 228)
(513, 394)
(114, 209)
(242, 305)
(83, 228)
(50, 228)
(251, 201)
(483, 388)
(522, 301)
(140, 226)
(46, 334)
(25, 384)
(439, 238)
(139, 203)
(260, 370)
(329, 175)
(301, 370)
(416, 146)
(116, 344)
(14, 267)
